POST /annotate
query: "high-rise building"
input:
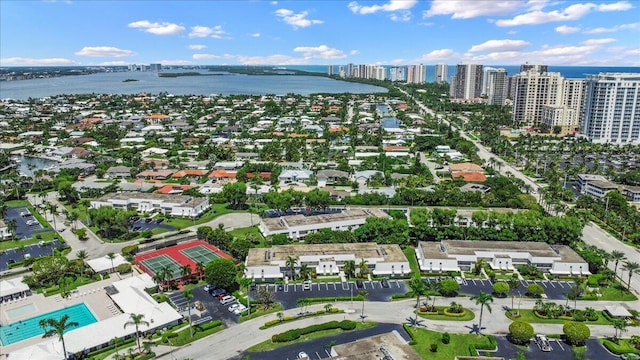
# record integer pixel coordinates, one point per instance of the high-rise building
(485, 79)
(421, 74)
(411, 74)
(441, 73)
(567, 115)
(536, 67)
(350, 70)
(379, 72)
(330, 70)
(341, 71)
(468, 81)
(155, 67)
(397, 73)
(612, 108)
(497, 86)
(533, 90)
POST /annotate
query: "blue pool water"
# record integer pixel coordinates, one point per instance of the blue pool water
(29, 328)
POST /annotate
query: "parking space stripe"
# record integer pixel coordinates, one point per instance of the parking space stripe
(544, 283)
(552, 285)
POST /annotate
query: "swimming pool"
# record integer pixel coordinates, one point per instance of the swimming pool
(29, 328)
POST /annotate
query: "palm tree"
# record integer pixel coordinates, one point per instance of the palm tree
(185, 271)
(620, 326)
(137, 320)
(291, 264)
(53, 327)
(632, 267)
(53, 210)
(82, 256)
(617, 256)
(12, 226)
(72, 218)
(304, 271)
(363, 267)
(417, 288)
(111, 256)
(200, 270)
(349, 268)
(483, 300)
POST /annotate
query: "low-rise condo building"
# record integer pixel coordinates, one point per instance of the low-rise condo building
(168, 204)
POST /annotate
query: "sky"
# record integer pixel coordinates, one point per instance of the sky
(391, 32)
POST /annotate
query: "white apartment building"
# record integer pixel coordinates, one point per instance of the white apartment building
(568, 113)
(532, 91)
(441, 73)
(265, 264)
(612, 108)
(462, 255)
(298, 226)
(169, 204)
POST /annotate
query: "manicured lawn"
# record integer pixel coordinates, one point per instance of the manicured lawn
(529, 316)
(270, 345)
(257, 311)
(466, 316)
(458, 346)
(324, 279)
(242, 233)
(215, 211)
(623, 346)
(184, 336)
(617, 292)
(39, 217)
(46, 236)
(17, 203)
(410, 253)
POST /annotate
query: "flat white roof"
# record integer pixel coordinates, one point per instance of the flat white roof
(102, 264)
(12, 286)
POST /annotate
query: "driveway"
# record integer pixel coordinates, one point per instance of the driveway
(214, 309)
(318, 348)
(289, 294)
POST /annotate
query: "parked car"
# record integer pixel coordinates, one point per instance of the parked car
(158, 221)
(359, 284)
(208, 287)
(306, 285)
(237, 308)
(233, 307)
(218, 291)
(228, 299)
(148, 220)
(222, 295)
(459, 280)
(384, 283)
(303, 355)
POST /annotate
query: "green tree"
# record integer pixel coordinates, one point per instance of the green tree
(363, 268)
(483, 300)
(305, 271)
(535, 290)
(417, 289)
(222, 273)
(53, 327)
(290, 263)
(617, 256)
(520, 332)
(136, 320)
(349, 268)
(633, 268)
(449, 287)
(235, 194)
(189, 295)
(576, 333)
(501, 289)
(82, 256)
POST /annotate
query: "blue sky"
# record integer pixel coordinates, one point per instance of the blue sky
(319, 32)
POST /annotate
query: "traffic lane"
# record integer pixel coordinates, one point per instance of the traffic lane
(35, 251)
(288, 295)
(318, 349)
(142, 225)
(595, 350)
(214, 309)
(23, 229)
(560, 350)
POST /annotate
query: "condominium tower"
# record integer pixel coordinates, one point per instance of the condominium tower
(441, 73)
(467, 83)
(612, 108)
(496, 86)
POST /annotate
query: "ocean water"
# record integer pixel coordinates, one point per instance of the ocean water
(571, 72)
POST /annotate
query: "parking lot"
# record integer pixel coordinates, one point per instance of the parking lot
(554, 290)
(150, 224)
(288, 294)
(35, 251)
(213, 307)
(560, 350)
(26, 224)
(317, 349)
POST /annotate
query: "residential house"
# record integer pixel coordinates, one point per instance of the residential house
(290, 176)
(155, 174)
(222, 176)
(330, 176)
(118, 172)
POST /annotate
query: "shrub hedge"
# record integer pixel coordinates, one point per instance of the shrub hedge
(294, 334)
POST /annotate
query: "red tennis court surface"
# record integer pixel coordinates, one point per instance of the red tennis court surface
(179, 254)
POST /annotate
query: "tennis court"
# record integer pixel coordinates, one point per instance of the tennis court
(200, 254)
(157, 263)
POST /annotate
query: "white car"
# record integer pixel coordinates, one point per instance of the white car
(459, 280)
(233, 307)
(303, 355)
(239, 309)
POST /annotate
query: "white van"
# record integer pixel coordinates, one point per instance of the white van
(227, 300)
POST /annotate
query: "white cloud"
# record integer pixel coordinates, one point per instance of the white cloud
(500, 45)
(572, 12)
(205, 56)
(255, 35)
(276, 59)
(599, 41)
(564, 29)
(20, 61)
(114, 63)
(320, 52)
(103, 51)
(600, 30)
(298, 20)
(196, 47)
(175, 62)
(617, 6)
(440, 55)
(205, 31)
(459, 9)
(164, 28)
(401, 16)
(354, 52)
(392, 5)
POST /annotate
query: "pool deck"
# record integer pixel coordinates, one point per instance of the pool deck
(93, 295)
